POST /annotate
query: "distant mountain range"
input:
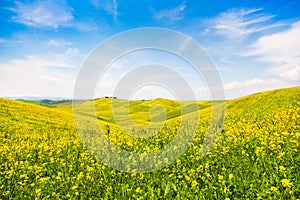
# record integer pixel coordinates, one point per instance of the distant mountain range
(35, 98)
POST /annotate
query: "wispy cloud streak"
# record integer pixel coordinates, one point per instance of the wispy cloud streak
(237, 23)
(49, 14)
(171, 15)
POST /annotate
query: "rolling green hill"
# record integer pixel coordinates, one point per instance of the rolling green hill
(256, 156)
(141, 112)
(265, 102)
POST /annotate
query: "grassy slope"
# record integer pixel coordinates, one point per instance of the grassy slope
(140, 112)
(261, 134)
(264, 102)
(15, 112)
(49, 103)
(158, 109)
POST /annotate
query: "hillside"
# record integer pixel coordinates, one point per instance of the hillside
(15, 114)
(160, 109)
(264, 102)
(255, 157)
(141, 112)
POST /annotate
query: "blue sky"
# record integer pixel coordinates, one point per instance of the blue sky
(254, 44)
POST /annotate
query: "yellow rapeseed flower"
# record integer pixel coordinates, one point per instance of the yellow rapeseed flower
(281, 168)
(194, 184)
(44, 179)
(286, 183)
(138, 190)
(38, 192)
(274, 189)
(226, 190)
(74, 187)
(220, 177)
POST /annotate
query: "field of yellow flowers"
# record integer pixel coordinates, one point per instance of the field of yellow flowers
(255, 157)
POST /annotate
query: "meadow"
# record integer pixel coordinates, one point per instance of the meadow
(256, 156)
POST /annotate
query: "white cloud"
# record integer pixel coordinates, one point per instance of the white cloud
(151, 91)
(238, 89)
(240, 22)
(282, 51)
(37, 62)
(58, 43)
(47, 75)
(38, 14)
(292, 75)
(89, 25)
(72, 52)
(170, 15)
(232, 90)
(110, 6)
